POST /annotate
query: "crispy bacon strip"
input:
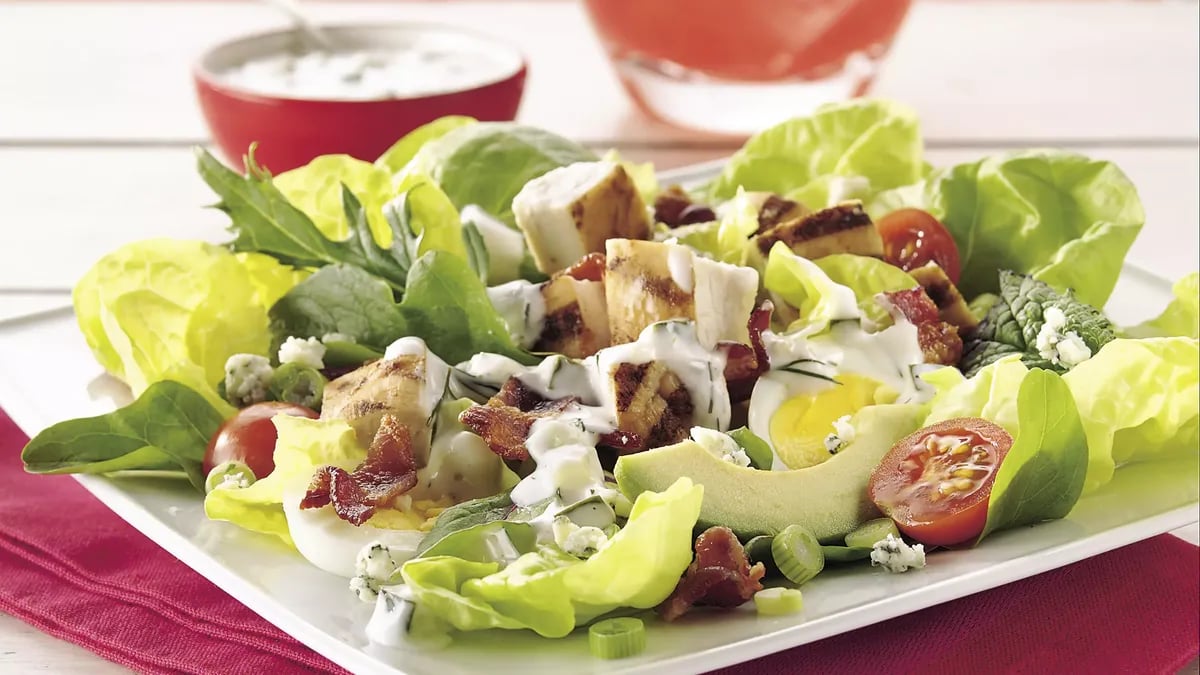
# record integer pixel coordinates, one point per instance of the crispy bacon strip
(588, 268)
(388, 472)
(940, 342)
(505, 421)
(719, 576)
(745, 363)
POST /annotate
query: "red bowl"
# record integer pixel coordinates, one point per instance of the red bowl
(290, 132)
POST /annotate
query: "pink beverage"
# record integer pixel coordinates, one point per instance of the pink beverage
(735, 66)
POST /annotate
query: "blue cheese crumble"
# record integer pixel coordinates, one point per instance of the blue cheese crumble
(373, 569)
(1064, 349)
(247, 379)
(896, 556)
(843, 435)
(581, 542)
(305, 352)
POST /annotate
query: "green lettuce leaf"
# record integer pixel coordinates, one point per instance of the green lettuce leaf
(1038, 212)
(303, 445)
(990, 394)
(165, 429)
(804, 286)
(422, 209)
(1139, 400)
(444, 303)
(316, 189)
(339, 299)
(1180, 318)
(550, 592)
(447, 305)
(831, 190)
(395, 158)
(1042, 476)
(488, 163)
(1014, 322)
(169, 309)
(867, 277)
(875, 139)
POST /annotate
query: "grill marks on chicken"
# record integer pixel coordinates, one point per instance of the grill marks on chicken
(388, 471)
(652, 404)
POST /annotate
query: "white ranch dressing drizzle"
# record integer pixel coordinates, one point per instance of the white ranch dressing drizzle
(522, 307)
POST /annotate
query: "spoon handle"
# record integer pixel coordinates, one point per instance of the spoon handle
(302, 22)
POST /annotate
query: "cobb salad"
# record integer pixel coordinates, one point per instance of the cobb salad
(496, 381)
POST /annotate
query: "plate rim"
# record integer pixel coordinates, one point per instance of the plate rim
(354, 659)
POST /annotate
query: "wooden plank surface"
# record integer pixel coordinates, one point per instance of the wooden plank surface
(976, 71)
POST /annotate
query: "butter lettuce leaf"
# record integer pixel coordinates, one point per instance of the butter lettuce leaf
(302, 446)
(165, 429)
(800, 283)
(395, 158)
(1037, 212)
(171, 309)
(551, 592)
(316, 189)
(1139, 400)
(1042, 476)
(874, 139)
(1180, 318)
(487, 164)
(867, 277)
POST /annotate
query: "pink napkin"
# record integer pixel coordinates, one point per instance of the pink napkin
(75, 570)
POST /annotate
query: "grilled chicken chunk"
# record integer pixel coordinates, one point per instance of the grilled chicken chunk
(646, 282)
(408, 387)
(570, 212)
(844, 228)
(952, 308)
(576, 320)
(651, 403)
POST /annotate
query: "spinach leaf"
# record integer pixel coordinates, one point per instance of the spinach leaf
(166, 428)
(447, 305)
(1042, 476)
(339, 299)
(477, 253)
(264, 221)
(1013, 323)
(465, 515)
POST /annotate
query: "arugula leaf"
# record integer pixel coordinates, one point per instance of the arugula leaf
(166, 428)
(264, 221)
(1043, 474)
(467, 515)
(1013, 324)
(339, 299)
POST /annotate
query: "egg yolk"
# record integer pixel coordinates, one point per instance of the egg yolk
(800, 426)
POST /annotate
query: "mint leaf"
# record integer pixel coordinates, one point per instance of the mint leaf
(1013, 323)
(1042, 476)
(167, 428)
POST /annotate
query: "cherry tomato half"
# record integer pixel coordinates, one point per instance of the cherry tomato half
(249, 436)
(936, 482)
(912, 238)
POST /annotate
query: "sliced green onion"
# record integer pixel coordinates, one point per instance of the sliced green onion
(865, 535)
(758, 549)
(302, 385)
(228, 475)
(760, 454)
(797, 554)
(778, 601)
(617, 638)
(845, 554)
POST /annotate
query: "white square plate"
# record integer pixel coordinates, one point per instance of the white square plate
(47, 374)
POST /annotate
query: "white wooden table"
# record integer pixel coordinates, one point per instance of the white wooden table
(97, 117)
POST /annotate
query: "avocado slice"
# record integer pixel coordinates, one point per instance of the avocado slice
(830, 499)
